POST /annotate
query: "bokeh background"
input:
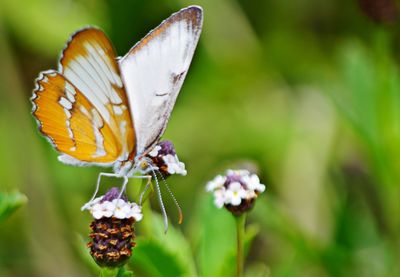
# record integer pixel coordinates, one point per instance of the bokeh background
(308, 91)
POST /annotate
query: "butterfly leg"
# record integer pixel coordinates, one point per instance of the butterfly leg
(148, 177)
(123, 188)
(98, 186)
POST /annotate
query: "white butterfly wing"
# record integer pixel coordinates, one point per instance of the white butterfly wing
(153, 72)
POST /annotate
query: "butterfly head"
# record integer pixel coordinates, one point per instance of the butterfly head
(144, 165)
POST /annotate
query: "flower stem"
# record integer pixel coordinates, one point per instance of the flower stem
(115, 272)
(147, 222)
(240, 229)
(109, 272)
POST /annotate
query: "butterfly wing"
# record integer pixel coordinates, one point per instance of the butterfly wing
(88, 66)
(153, 72)
(73, 125)
(88, 61)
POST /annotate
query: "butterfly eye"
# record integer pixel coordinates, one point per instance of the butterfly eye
(144, 165)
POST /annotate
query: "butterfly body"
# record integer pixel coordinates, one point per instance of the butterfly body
(97, 109)
(131, 166)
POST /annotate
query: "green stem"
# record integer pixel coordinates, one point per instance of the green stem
(109, 272)
(146, 225)
(240, 229)
(147, 222)
(115, 272)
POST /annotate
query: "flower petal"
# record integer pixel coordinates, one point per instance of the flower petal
(235, 186)
(236, 200)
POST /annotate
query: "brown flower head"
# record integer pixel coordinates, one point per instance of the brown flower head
(112, 232)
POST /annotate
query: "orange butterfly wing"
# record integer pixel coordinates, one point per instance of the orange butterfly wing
(83, 108)
(72, 123)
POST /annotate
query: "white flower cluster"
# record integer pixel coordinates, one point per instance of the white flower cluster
(235, 186)
(174, 166)
(118, 208)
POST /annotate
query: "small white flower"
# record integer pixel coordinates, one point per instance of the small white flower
(219, 197)
(253, 183)
(117, 208)
(105, 209)
(108, 208)
(234, 194)
(182, 169)
(97, 211)
(122, 208)
(240, 172)
(154, 152)
(169, 159)
(135, 212)
(234, 187)
(174, 166)
(216, 183)
(250, 194)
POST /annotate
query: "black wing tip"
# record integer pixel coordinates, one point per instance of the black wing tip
(80, 30)
(83, 29)
(193, 13)
(194, 8)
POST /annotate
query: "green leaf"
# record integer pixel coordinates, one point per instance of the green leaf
(252, 231)
(257, 270)
(163, 254)
(152, 258)
(228, 266)
(9, 203)
(217, 240)
(84, 254)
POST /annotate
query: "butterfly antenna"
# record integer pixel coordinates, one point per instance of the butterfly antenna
(173, 198)
(164, 213)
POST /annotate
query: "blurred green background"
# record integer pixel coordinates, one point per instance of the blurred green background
(307, 90)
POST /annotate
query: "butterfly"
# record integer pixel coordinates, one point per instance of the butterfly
(97, 109)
